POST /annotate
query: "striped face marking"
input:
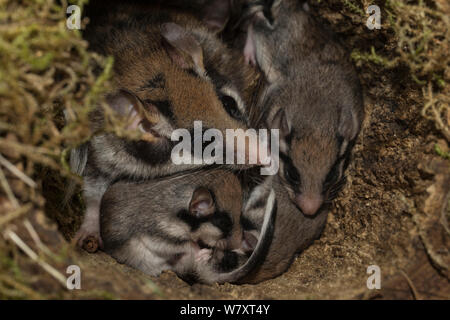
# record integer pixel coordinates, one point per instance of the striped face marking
(313, 170)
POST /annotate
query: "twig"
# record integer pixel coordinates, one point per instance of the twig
(19, 174)
(15, 214)
(8, 191)
(36, 154)
(445, 212)
(34, 235)
(411, 286)
(30, 292)
(30, 253)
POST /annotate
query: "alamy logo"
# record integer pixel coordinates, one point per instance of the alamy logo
(251, 147)
(74, 21)
(374, 281)
(374, 21)
(74, 280)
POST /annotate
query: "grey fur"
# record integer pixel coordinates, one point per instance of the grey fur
(78, 161)
(132, 43)
(141, 226)
(311, 79)
(293, 231)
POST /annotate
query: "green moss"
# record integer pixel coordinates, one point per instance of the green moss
(9, 265)
(155, 289)
(417, 37)
(440, 152)
(372, 57)
(354, 8)
(45, 69)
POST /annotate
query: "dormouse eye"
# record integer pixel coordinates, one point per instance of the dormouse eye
(332, 176)
(330, 179)
(291, 175)
(231, 107)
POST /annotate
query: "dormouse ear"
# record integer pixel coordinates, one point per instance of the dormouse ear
(216, 14)
(349, 124)
(275, 8)
(202, 203)
(146, 119)
(280, 121)
(124, 103)
(182, 47)
(127, 105)
(259, 49)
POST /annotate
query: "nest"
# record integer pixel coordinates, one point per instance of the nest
(394, 212)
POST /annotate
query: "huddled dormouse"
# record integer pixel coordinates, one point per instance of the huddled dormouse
(169, 71)
(188, 223)
(313, 96)
(177, 62)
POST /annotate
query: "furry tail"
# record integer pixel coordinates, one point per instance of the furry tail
(78, 160)
(262, 246)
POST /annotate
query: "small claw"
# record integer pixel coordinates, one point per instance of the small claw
(250, 58)
(203, 255)
(250, 48)
(221, 244)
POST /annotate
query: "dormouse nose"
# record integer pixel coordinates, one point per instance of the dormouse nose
(309, 203)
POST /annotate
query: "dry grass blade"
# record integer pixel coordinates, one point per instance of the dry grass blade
(34, 235)
(414, 291)
(9, 193)
(30, 293)
(32, 255)
(4, 220)
(19, 174)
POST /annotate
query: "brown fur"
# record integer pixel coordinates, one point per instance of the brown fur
(127, 206)
(142, 226)
(188, 77)
(140, 56)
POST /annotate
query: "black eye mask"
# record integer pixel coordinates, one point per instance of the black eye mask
(332, 176)
(332, 179)
(290, 172)
(220, 219)
(231, 107)
(150, 153)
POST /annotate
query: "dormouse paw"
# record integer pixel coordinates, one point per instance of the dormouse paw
(203, 255)
(89, 239)
(249, 52)
(221, 244)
